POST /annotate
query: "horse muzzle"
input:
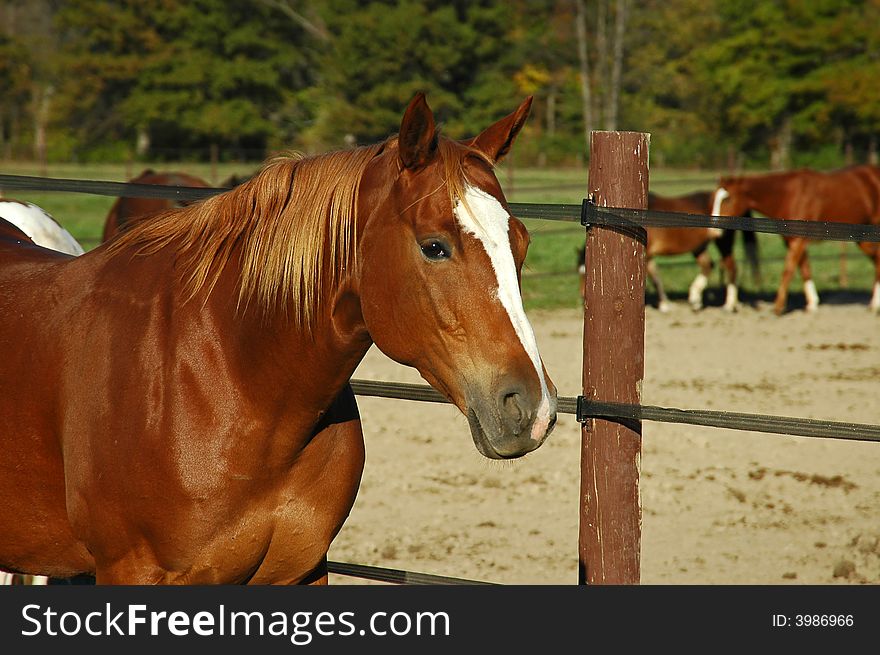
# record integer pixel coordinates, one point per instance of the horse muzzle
(512, 422)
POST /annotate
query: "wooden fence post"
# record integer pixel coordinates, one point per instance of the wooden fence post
(614, 354)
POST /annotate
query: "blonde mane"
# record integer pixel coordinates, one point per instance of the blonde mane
(295, 223)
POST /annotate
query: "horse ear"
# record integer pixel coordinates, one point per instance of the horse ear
(417, 140)
(496, 140)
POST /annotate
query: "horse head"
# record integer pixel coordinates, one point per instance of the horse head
(440, 258)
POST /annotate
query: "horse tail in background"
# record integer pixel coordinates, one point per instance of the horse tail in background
(750, 243)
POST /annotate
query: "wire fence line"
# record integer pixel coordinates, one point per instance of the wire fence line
(396, 576)
(104, 188)
(585, 409)
(824, 230)
(588, 213)
(585, 213)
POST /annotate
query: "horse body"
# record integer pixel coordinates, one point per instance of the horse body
(32, 230)
(165, 431)
(848, 195)
(37, 224)
(666, 241)
(125, 210)
(680, 240)
(215, 437)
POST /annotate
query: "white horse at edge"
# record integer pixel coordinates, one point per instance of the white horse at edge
(39, 226)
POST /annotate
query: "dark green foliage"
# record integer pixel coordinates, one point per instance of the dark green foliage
(717, 83)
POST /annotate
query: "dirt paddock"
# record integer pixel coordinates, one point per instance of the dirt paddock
(719, 506)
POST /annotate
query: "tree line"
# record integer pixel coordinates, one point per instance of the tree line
(718, 83)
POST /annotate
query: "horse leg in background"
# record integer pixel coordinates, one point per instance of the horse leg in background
(793, 258)
(663, 303)
(698, 286)
(724, 243)
(872, 250)
(22, 579)
(810, 292)
(750, 244)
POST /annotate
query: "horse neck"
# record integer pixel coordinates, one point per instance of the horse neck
(313, 362)
(285, 377)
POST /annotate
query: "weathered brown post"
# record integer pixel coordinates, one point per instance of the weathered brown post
(614, 357)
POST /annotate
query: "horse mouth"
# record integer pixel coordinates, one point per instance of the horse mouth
(501, 447)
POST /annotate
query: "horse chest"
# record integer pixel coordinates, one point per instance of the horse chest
(283, 541)
(278, 529)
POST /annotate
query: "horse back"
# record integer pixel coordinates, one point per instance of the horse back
(679, 240)
(847, 195)
(16, 246)
(699, 202)
(125, 211)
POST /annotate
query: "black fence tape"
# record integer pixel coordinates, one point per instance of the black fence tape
(115, 189)
(827, 230)
(584, 409)
(801, 427)
(586, 213)
(396, 576)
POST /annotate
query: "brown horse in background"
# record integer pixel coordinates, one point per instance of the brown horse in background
(125, 210)
(665, 241)
(848, 195)
(180, 395)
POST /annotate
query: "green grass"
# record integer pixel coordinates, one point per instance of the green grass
(550, 273)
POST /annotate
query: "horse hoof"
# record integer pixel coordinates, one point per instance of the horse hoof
(731, 308)
(696, 306)
(665, 307)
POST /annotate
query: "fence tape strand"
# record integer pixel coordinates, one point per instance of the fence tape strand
(584, 408)
(585, 212)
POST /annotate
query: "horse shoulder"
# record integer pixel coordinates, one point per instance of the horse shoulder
(867, 180)
(317, 496)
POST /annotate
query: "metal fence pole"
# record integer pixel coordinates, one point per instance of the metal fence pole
(614, 353)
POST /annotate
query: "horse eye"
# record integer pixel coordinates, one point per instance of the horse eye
(435, 249)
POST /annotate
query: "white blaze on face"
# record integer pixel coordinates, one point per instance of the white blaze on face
(39, 226)
(720, 195)
(483, 216)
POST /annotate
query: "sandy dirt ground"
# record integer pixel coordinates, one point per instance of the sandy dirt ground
(718, 506)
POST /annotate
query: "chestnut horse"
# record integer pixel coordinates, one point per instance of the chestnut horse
(39, 226)
(181, 394)
(848, 195)
(125, 210)
(665, 241)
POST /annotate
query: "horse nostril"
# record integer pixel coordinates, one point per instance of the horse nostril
(515, 410)
(512, 406)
